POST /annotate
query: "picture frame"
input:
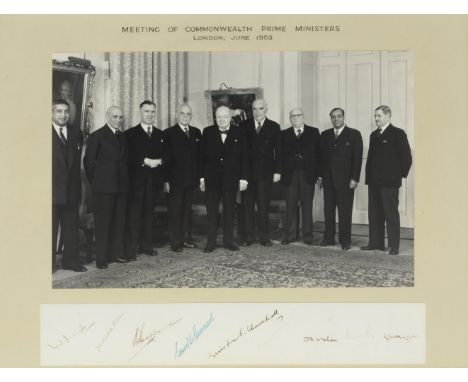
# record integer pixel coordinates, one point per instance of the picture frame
(73, 80)
(238, 100)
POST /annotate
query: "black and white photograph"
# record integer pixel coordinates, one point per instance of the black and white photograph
(259, 169)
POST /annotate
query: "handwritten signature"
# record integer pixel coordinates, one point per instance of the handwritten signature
(248, 329)
(142, 340)
(192, 337)
(320, 339)
(108, 332)
(398, 337)
(66, 339)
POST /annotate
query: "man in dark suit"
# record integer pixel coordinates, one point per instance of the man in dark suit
(340, 170)
(224, 170)
(299, 172)
(145, 153)
(105, 164)
(388, 161)
(181, 176)
(264, 144)
(66, 186)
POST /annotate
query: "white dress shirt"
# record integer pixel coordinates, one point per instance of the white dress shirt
(297, 129)
(382, 129)
(64, 130)
(146, 127)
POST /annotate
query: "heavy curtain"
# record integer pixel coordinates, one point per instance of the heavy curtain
(155, 76)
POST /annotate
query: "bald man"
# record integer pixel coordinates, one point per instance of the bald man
(224, 171)
(264, 143)
(106, 168)
(181, 176)
(299, 172)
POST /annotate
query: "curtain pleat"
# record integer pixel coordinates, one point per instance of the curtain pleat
(156, 76)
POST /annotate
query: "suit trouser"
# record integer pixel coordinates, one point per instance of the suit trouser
(383, 208)
(67, 216)
(109, 222)
(213, 197)
(259, 192)
(299, 191)
(140, 219)
(180, 209)
(342, 199)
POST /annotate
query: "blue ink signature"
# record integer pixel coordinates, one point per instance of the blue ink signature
(193, 337)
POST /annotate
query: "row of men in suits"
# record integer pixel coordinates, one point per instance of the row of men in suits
(126, 172)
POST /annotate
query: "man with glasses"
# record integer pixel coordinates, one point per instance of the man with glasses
(299, 172)
(181, 176)
(66, 186)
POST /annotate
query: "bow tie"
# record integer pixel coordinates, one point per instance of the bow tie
(223, 132)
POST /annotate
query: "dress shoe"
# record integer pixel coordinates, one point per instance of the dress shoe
(101, 265)
(308, 242)
(150, 252)
(345, 247)
(372, 248)
(393, 251)
(76, 268)
(231, 247)
(209, 248)
(266, 243)
(246, 243)
(177, 249)
(189, 244)
(325, 243)
(285, 242)
(119, 260)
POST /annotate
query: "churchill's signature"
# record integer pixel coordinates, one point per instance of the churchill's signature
(66, 339)
(248, 329)
(108, 332)
(142, 340)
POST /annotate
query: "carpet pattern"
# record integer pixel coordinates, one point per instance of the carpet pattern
(293, 266)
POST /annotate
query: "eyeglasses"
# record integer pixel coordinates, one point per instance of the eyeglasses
(296, 115)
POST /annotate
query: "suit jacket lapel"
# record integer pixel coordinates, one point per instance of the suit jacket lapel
(72, 147)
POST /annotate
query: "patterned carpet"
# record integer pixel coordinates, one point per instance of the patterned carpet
(279, 266)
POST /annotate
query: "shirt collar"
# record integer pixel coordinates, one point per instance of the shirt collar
(382, 129)
(183, 127)
(261, 122)
(113, 129)
(226, 129)
(299, 128)
(339, 130)
(57, 127)
(145, 127)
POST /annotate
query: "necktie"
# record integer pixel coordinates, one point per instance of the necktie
(380, 131)
(62, 136)
(117, 133)
(259, 126)
(186, 131)
(299, 133)
(149, 132)
(336, 134)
